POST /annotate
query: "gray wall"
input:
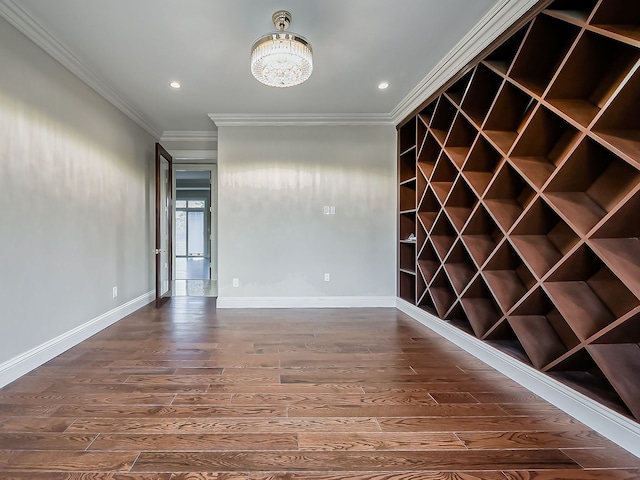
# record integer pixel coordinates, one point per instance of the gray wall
(75, 195)
(273, 183)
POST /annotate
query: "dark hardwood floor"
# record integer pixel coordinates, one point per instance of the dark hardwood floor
(188, 392)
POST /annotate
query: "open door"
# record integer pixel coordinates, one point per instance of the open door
(164, 234)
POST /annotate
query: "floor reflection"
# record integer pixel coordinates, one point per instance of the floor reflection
(193, 278)
(192, 268)
(195, 288)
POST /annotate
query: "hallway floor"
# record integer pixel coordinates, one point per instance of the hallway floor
(188, 392)
(193, 278)
(195, 288)
(192, 268)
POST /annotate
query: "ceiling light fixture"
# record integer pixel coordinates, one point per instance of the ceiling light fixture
(174, 85)
(383, 85)
(281, 59)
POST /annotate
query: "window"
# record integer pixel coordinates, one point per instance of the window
(191, 232)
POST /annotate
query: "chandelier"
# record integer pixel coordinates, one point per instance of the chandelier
(281, 59)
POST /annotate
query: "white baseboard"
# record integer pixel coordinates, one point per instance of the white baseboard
(603, 420)
(27, 361)
(305, 302)
(608, 423)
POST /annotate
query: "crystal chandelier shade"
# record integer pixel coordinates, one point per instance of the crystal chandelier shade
(281, 59)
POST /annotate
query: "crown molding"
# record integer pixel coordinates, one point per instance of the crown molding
(20, 19)
(189, 136)
(494, 23)
(490, 27)
(297, 120)
(194, 156)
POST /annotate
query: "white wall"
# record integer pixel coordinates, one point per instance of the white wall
(75, 196)
(273, 234)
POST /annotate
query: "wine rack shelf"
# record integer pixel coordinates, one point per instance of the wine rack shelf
(519, 198)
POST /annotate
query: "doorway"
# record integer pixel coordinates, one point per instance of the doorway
(163, 225)
(195, 252)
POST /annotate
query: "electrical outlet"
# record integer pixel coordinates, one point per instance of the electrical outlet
(115, 292)
(332, 211)
(327, 277)
(327, 210)
(236, 283)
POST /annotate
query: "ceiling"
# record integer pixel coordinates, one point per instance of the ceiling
(130, 50)
(193, 179)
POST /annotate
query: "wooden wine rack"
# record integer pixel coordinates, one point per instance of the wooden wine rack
(521, 184)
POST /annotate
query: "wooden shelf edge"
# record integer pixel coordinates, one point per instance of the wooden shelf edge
(581, 308)
(530, 329)
(407, 271)
(407, 181)
(622, 256)
(412, 147)
(621, 363)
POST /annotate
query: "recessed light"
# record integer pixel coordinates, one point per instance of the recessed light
(174, 85)
(383, 85)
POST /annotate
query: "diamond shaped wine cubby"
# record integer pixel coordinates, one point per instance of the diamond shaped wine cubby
(520, 182)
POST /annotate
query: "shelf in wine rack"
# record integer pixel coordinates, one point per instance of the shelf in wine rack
(520, 179)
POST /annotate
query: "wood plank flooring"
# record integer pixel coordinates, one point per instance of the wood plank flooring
(188, 392)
